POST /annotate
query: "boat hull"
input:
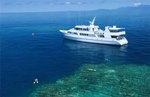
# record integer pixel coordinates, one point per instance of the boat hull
(95, 40)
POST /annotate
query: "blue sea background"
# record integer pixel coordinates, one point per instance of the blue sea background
(49, 57)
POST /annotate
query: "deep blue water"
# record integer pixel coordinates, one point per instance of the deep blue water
(48, 57)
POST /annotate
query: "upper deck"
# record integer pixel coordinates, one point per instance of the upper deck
(115, 31)
(86, 28)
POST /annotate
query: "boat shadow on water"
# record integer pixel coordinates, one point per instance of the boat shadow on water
(95, 52)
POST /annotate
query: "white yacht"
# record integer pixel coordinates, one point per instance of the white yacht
(93, 34)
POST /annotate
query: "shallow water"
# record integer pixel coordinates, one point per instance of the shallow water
(101, 81)
(49, 57)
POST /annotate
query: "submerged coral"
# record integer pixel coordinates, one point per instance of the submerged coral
(101, 81)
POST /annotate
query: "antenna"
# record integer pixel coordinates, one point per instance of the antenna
(92, 22)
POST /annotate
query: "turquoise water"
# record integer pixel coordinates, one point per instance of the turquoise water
(49, 57)
(101, 81)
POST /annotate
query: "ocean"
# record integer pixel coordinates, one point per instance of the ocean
(47, 56)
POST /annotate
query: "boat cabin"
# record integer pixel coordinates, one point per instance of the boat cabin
(86, 28)
(115, 29)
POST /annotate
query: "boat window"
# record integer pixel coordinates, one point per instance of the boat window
(83, 34)
(120, 30)
(73, 33)
(100, 35)
(70, 32)
(78, 28)
(113, 36)
(85, 29)
(120, 37)
(90, 35)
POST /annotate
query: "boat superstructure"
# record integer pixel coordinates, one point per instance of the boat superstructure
(92, 33)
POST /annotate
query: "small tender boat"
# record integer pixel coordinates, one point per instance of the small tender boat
(93, 34)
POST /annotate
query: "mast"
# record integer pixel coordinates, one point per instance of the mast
(92, 22)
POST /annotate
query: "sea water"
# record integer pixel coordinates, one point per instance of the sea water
(32, 47)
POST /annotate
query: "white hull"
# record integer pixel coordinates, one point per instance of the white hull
(93, 34)
(95, 40)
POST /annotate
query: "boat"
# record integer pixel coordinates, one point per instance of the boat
(111, 35)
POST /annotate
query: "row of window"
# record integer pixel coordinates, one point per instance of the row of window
(117, 30)
(113, 36)
(84, 34)
(100, 36)
(73, 33)
(90, 35)
(117, 37)
(83, 29)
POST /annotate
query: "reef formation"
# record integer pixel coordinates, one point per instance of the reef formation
(101, 81)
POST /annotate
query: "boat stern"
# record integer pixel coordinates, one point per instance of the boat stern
(123, 41)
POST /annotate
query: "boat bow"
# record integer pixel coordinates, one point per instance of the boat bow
(63, 31)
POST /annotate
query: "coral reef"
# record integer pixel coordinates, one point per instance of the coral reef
(101, 81)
